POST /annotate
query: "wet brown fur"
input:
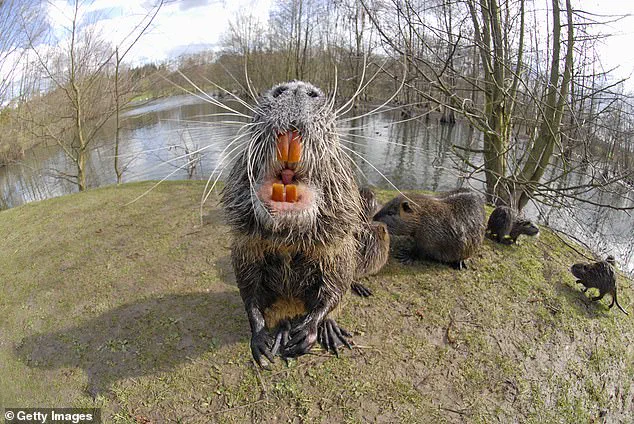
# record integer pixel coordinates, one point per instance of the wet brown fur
(300, 263)
(599, 275)
(447, 227)
(505, 227)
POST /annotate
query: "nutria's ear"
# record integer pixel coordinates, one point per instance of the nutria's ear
(406, 207)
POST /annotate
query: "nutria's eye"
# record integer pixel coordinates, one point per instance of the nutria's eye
(313, 93)
(278, 91)
(406, 207)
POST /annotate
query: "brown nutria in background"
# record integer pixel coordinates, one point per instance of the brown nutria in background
(504, 227)
(599, 275)
(447, 227)
(297, 218)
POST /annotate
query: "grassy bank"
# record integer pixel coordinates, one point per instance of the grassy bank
(134, 309)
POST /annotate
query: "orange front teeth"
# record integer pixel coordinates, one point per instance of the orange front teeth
(289, 152)
(278, 193)
(284, 193)
(295, 148)
(289, 148)
(291, 193)
(282, 147)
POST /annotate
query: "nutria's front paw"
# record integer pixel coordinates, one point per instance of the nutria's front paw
(331, 336)
(282, 336)
(303, 337)
(260, 347)
(360, 290)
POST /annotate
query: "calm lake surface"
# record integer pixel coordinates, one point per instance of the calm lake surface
(157, 138)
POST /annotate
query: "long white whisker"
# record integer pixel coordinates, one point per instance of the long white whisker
(236, 98)
(211, 115)
(334, 94)
(211, 189)
(214, 101)
(246, 77)
(210, 100)
(389, 109)
(342, 137)
(359, 87)
(236, 138)
(387, 101)
(206, 123)
(160, 181)
(149, 170)
(129, 155)
(224, 158)
(378, 171)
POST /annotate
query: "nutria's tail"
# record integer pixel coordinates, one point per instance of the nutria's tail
(617, 303)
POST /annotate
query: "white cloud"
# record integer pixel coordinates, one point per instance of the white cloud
(183, 26)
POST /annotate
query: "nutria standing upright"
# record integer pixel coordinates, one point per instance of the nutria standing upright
(297, 218)
(505, 227)
(374, 245)
(599, 275)
(447, 227)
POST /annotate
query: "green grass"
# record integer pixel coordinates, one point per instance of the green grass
(134, 309)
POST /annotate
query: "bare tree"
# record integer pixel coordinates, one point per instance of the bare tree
(121, 91)
(83, 90)
(498, 32)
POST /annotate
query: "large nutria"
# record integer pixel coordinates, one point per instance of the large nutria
(599, 275)
(297, 218)
(447, 227)
(505, 227)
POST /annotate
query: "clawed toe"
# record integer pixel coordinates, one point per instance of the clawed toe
(361, 290)
(301, 341)
(260, 349)
(282, 336)
(331, 336)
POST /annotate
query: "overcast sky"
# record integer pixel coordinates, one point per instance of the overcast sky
(187, 26)
(617, 50)
(182, 26)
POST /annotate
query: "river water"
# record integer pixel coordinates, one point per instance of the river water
(157, 140)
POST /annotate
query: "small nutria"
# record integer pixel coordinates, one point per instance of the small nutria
(599, 275)
(447, 227)
(297, 218)
(504, 227)
(373, 255)
(374, 245)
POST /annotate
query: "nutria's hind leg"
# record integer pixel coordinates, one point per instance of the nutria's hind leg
(331, 336)
(360, 290)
